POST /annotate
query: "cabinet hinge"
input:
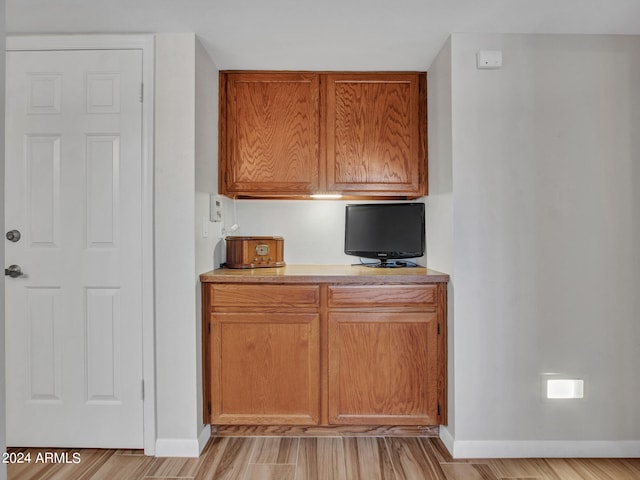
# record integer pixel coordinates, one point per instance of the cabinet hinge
(141, 92)
(438, 329)
(438, 409)
(209, 328)
(209, 408)
(142, 381)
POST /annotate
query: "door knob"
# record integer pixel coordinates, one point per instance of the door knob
(13, 235)
(13, 271)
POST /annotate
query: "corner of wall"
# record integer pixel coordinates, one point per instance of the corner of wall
(447, 438)
(439, 203)
(175, 254)
(207, 233)
(183, 447)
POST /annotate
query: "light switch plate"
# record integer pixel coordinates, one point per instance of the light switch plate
(205, 226)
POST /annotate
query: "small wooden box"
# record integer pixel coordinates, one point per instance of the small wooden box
(255, 252)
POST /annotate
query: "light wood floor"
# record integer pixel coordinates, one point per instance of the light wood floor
(325, 458)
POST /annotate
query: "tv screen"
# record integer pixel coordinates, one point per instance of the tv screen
(385, 231)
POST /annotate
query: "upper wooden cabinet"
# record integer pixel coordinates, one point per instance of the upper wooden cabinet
(375, 138)
(294, 134)
(269, 142)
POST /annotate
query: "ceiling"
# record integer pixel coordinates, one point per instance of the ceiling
(324, 34)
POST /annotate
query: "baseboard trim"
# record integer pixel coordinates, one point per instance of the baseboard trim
(183, 447)
(447, 439)
(204, 437)
(539, 448)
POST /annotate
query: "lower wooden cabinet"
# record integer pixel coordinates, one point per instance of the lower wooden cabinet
(383, 368)
(324, 354)
(386, 354)
(266, 368)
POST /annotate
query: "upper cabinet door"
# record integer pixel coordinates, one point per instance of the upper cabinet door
(269, 134)
(376, 134)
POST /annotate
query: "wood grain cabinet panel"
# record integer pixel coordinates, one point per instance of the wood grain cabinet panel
(269, 143)
(302, 351)
(412, 296)
(262, 296)
(383, 368)
(266, 368)
(294, 134)
(375, 140)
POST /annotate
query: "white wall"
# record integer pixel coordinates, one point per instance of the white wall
(206, 183)
(439, 203)
(546, 228)
(183, 159)
(313, 230)
(3, 446)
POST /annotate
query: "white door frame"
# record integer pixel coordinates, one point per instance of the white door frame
(145, 43)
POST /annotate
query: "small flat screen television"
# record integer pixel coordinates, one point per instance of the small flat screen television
(385, 231)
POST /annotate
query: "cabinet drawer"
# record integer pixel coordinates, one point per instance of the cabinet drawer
(233, 295)
(382, 295)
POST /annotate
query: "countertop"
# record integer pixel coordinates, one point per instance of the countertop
(324, 274)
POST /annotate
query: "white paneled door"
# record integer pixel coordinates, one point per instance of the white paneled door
(73, 192)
